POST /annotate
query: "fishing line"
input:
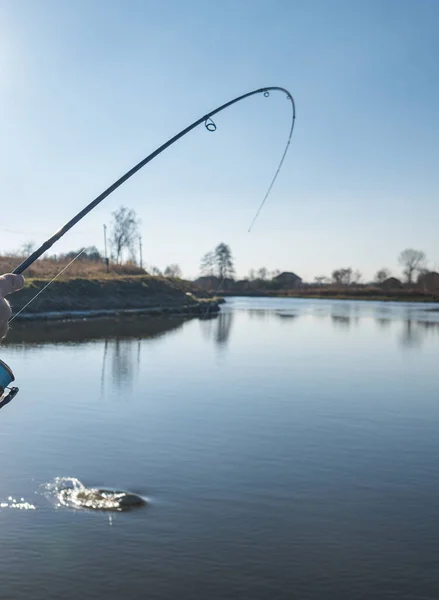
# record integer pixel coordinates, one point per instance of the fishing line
(14, 231)
(212, 127)
(30, 233)
(277, 172)
(46, 286)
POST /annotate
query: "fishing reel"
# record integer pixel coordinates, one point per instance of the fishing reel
(6, 377)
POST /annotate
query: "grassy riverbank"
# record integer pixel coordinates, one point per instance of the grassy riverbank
(138, 293)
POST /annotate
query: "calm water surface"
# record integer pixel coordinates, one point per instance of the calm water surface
(288, 449)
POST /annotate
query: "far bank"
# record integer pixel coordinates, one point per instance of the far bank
(372, 294)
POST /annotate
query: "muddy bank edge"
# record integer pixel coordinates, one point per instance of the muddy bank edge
(81, 298)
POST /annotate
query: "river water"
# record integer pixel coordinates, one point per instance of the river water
(286, 449)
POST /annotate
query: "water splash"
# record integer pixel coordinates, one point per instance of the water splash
(19, 504)
(70, 492)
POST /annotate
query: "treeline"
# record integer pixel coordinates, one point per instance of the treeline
(413, 263)
(219, 263)
(124, 256)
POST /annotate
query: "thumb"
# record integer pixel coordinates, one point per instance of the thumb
(10, 283)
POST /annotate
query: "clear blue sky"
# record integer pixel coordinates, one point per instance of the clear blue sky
(89, 87)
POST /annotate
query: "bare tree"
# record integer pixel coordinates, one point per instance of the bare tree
(224, 261)
(321, 279)
(156, 271)
(262, 273)
(208, 264)
(251, 275)
(124, 231)
(173, 271)
(27, 248)
(91, 253)
(342, 276)
(412, 261)
(382, 275)
(218, 262)
(356, 277)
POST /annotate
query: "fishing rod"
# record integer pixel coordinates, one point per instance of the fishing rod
(6, 374)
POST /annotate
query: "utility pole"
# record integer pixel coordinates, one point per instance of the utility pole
(140, 251)
(107, 262)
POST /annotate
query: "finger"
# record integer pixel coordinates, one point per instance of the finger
(10, 283)
(5, 315)
(3, 329)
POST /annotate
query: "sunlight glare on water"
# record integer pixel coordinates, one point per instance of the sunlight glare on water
(19, 504)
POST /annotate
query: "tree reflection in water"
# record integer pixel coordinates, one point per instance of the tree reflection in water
(120, 356)
(218, 327)
(341, 322)
(415, 332)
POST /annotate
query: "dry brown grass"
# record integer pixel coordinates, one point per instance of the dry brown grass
(46, 268)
